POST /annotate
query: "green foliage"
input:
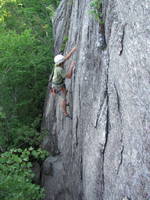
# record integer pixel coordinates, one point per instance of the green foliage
(26, 59)
(16, 174)
(23, 76)
(25, 136)
(63, 46)
(96, 10)
(16, 187)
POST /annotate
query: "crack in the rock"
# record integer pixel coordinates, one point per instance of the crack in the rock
(88, 33)
(104, 148)
(81, 169)
(121, 159)
(100, 111)
(121, 139)
(76, 132)
(79, 99)
(78, 8)
(118, 101)
(122, 40)
(107, 123)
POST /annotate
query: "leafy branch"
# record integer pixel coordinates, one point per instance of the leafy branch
(96, 10)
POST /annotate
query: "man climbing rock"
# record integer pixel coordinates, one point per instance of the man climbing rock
(58, 80)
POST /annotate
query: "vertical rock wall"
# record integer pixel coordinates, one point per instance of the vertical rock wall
(105, 149)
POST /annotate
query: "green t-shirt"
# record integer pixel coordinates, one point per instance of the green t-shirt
(59, 76)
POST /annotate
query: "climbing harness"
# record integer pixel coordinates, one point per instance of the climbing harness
(54, 91)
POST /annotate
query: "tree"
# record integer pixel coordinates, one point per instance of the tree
(26, 59)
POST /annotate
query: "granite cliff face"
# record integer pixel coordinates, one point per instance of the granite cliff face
(105, 149)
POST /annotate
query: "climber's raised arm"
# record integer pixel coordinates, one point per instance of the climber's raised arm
(70, 53)
(71, 70)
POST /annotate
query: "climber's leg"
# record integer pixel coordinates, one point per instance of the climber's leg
(63, 102)
(63, 106)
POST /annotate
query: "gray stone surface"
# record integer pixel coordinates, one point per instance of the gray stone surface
(52, 178)
(36, 169)
(105, 149)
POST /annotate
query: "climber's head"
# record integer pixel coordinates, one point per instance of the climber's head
(59, 59)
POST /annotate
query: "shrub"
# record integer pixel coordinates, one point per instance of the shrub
(96, 10)
(16, 174)
(26, 60)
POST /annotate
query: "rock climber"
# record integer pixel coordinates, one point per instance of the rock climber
(58, 80)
